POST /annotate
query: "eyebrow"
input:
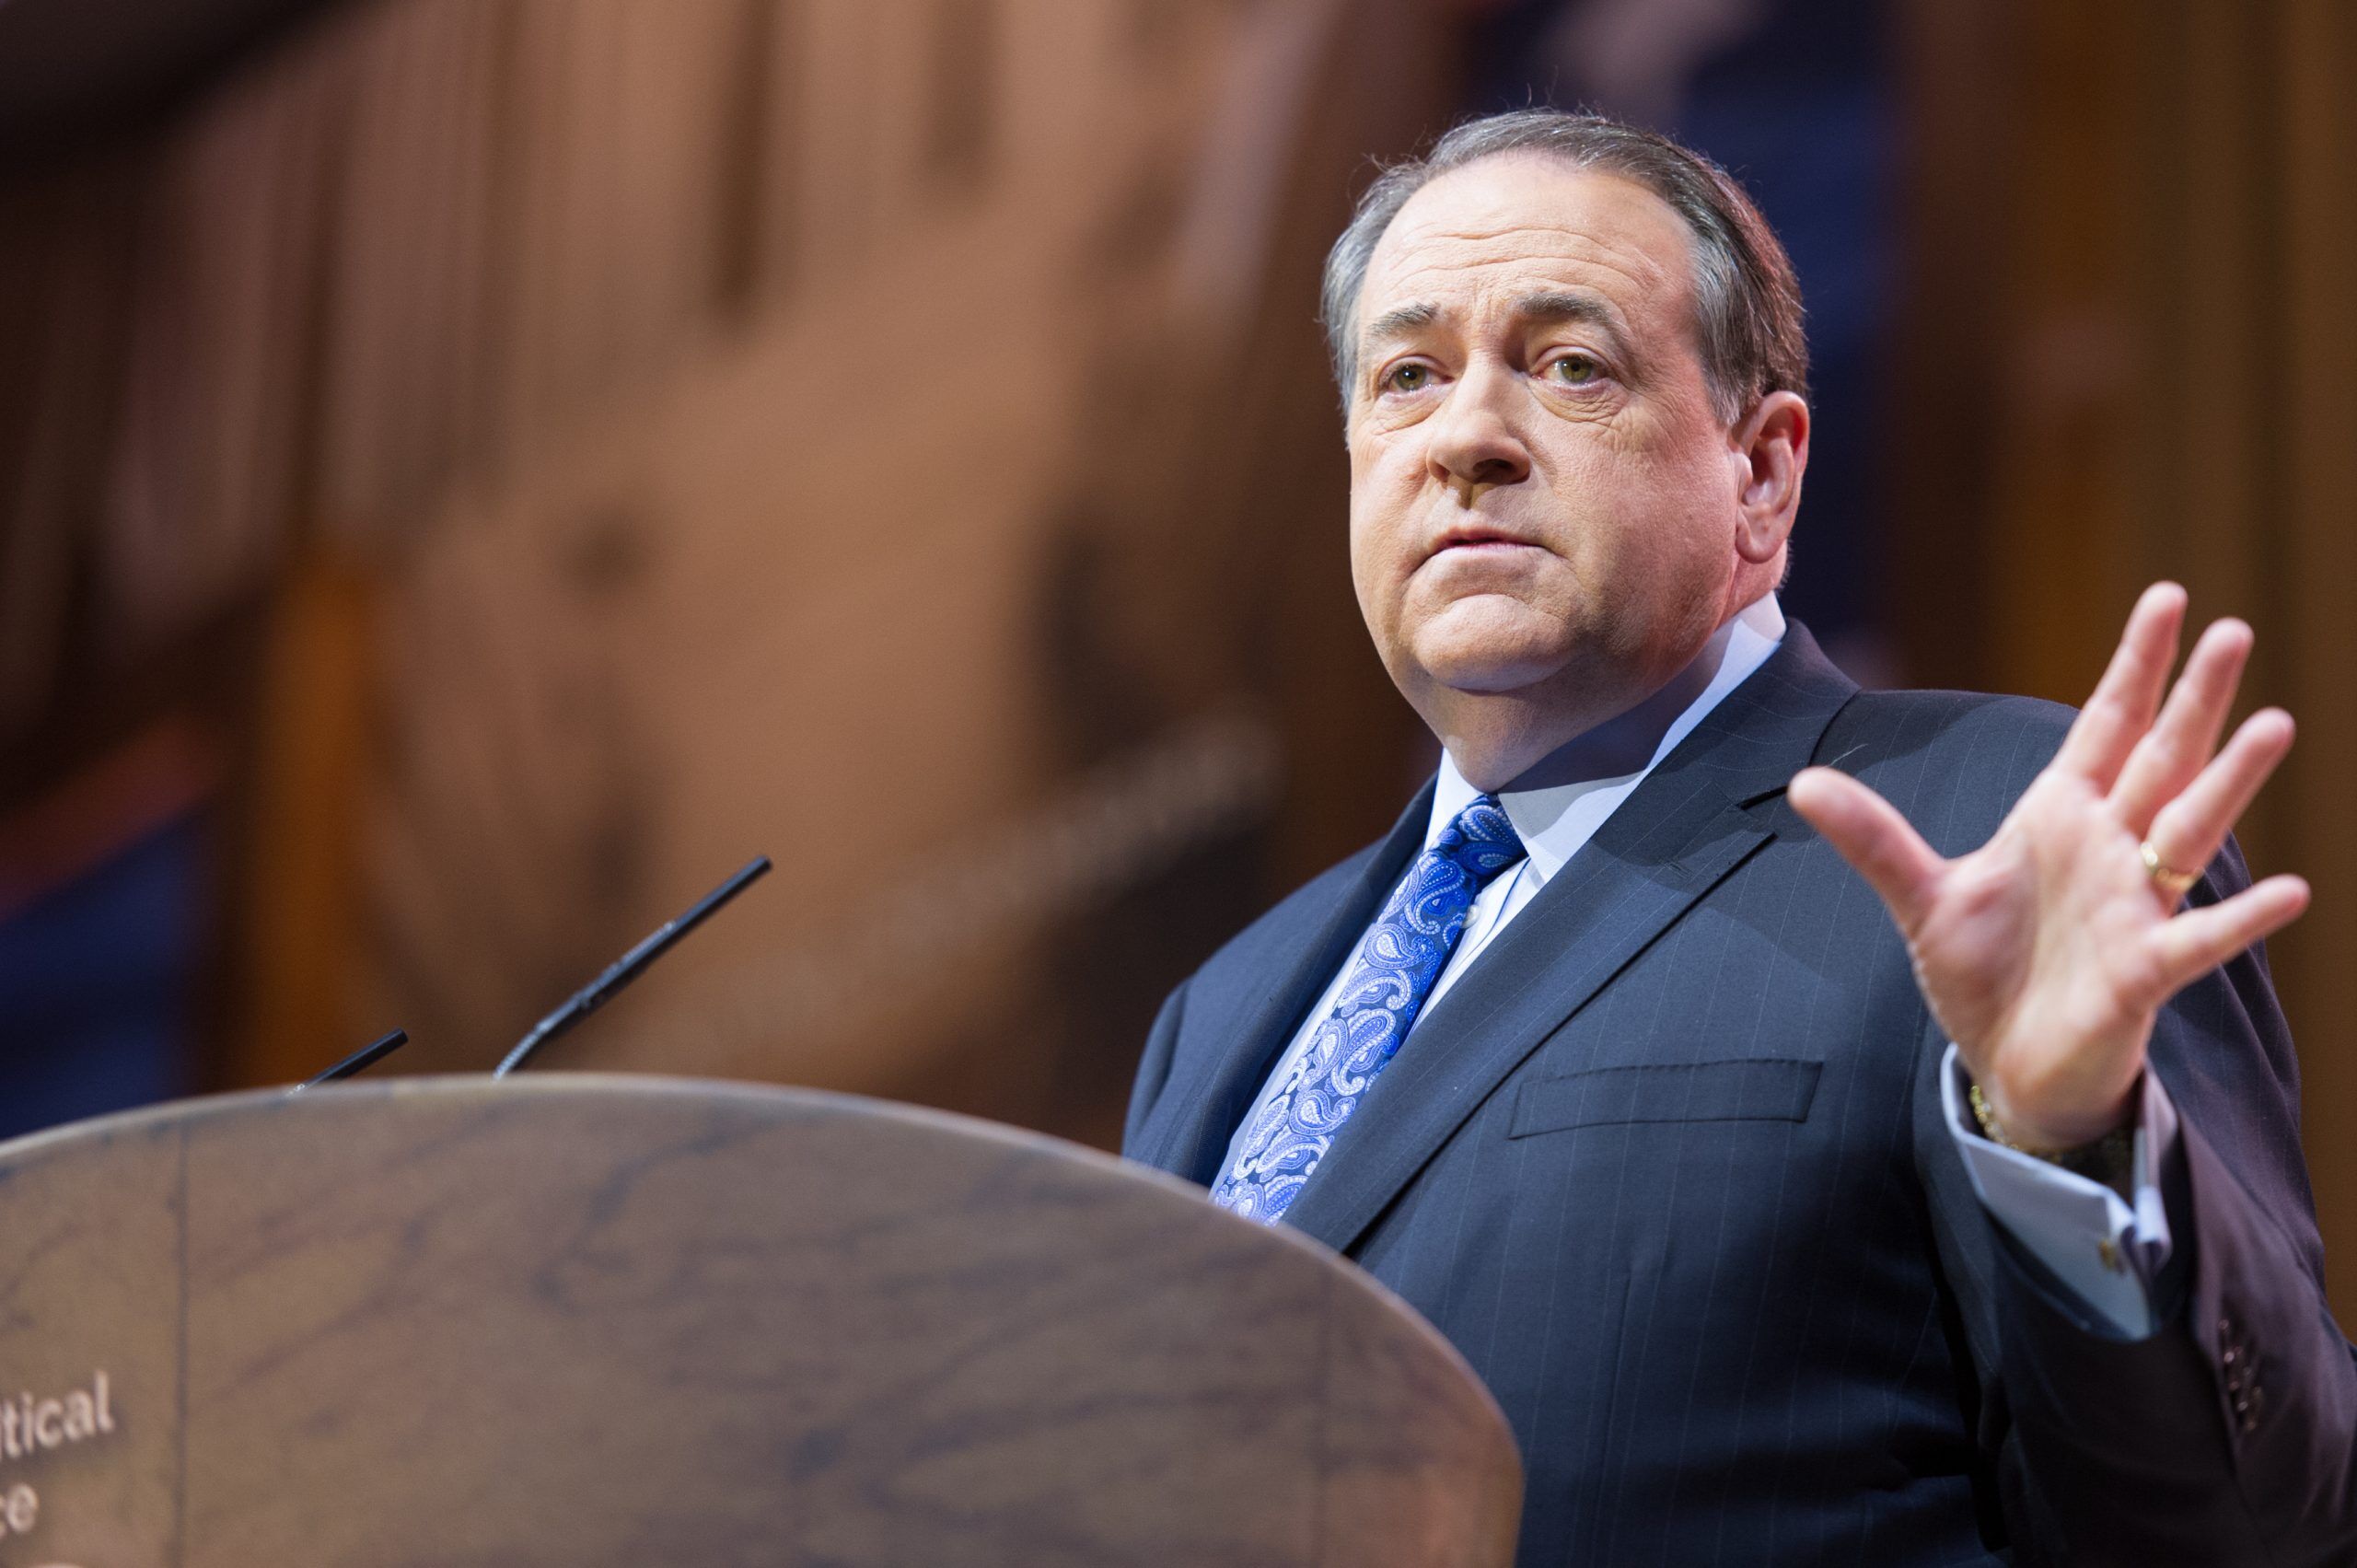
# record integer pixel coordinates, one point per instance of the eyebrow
(1401, 320)
(1559, 305)
(1545, 308)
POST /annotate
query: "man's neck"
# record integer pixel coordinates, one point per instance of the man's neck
(1628, 743)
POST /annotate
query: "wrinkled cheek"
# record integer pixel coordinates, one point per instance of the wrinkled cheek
(1381, 551)
(1376, 583)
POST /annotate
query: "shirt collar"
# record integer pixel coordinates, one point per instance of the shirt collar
(1554, 821)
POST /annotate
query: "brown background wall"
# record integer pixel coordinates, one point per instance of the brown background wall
(2132, 354)
(516, 458)
(575, 444)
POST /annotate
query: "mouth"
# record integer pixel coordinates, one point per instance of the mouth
(1476, 539)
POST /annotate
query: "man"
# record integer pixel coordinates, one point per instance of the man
(1788, 1226)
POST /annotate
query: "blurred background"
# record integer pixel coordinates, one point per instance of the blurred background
(473, 472)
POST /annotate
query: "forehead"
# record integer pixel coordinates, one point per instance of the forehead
(1496, 227)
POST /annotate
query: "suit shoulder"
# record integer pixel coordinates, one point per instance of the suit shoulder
(1953, 762)
(1876, 726)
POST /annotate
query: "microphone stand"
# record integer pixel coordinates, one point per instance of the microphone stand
(365, 1057)
(629, 967)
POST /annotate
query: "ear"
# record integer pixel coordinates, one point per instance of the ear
(1771, 451)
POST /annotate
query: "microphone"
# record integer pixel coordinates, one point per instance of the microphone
(626, 969)
(365, 1057)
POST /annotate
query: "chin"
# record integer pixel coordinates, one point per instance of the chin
(1488, 664)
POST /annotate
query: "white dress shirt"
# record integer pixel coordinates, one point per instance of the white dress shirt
(2105, 1250)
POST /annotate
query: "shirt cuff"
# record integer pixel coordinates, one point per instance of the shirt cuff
(2107, 1250)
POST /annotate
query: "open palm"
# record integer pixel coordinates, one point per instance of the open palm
(2046, 953)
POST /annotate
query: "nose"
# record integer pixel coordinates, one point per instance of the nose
(1473, 443)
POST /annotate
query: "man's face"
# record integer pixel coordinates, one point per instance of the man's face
(1543, 500)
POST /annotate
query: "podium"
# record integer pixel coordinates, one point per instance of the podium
(585, 1319)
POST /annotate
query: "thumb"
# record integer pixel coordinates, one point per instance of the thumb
(1872, 837)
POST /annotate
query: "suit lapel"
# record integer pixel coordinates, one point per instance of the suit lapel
(1212, 1088)
(1686, 826)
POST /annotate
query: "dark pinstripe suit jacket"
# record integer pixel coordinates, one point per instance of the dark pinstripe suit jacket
(1667, 1166)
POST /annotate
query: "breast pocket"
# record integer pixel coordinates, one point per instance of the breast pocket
(1755, 1089)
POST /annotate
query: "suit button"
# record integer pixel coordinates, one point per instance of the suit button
(2249, 1404)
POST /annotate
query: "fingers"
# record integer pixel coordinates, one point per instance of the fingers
(2121, 709)
(2188, 832)
(1872, 837)
(2198, 941)
(2175, 748)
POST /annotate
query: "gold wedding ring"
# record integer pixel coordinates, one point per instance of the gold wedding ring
(2171, 882)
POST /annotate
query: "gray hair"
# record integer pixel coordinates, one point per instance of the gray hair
(1747, 303)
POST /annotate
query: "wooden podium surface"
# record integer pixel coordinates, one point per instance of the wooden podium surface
(592, 1319)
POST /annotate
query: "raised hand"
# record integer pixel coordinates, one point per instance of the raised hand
(2046, 953)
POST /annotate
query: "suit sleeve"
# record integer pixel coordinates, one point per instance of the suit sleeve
(2227, 1434)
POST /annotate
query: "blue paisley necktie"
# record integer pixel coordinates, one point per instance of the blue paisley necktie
(1393, 972)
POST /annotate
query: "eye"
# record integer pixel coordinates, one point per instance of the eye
(1408, 377)
(1576, 370)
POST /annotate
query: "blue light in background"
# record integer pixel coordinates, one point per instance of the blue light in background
(96, 982)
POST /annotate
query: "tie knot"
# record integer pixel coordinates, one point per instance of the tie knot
(1482, 840)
